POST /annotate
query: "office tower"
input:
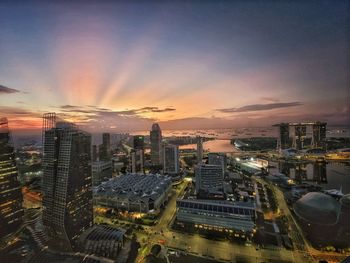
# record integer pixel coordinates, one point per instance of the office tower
(105, 147)
(156, 144)
(11, 210)
(101, 172)
(137, 161)
(139, 142)
(283, 136)
(209, 178)
(94, 153)
(171, 159)
(199, 149)
(319, 130)
(299, 136)
(67, 193)
(218, 159)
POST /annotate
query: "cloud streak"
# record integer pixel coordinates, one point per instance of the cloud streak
(261, 107)
(7, 90)
(99, 111)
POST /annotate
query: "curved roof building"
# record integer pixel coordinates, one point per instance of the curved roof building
(318, 208)
(345, 201)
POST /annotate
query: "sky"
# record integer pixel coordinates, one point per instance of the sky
(120, 65)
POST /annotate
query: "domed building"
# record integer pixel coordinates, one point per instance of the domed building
(318, 208)
(345, 201)
(324, 219)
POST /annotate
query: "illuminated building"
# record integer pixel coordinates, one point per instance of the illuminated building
(318, 138)
(67, 194)
(156, 144)
(218, 159)
(11, 210)
(171, 159)
(199, 149)
(139, 142)
(217, 215)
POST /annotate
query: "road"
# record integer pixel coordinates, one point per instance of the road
(224, 250)
(297, 236)
(201, 246)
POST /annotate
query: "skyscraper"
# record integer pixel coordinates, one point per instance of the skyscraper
(94, 153)
(171, 159)
(105, 147)
(199, 149)
(283, 136)
(299, 137)
(156, 144)
(67, 193)
(139, 142)
(11, 211)
(137, 161)
(319, 130)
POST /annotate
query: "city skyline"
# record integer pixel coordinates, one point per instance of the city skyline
(122, 66)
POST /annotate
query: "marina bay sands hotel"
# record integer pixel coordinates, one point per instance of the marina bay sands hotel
(298, 132)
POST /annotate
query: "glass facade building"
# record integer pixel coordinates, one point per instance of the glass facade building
(11, 210)
(67, 182)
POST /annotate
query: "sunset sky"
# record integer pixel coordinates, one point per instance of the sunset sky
(121, 66)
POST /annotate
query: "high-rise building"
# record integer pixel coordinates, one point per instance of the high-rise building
(209, 178)
(105, 147)
(156, 144)
(101, 172)
(199, 149)
(283, 136)
(137, 161)
(67, 193)
(218, 159)
(171, 159)
(139, 142)
(319, 130)
(300, 134)
(94, 153)
(11, 210)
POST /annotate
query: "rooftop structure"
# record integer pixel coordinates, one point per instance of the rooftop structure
(219, 215)
(102, 241)
(134, 192)
(318, 137)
